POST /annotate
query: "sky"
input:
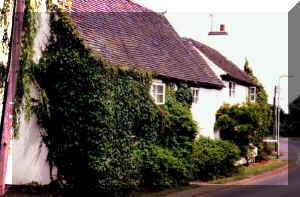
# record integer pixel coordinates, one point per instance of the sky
(257, 30)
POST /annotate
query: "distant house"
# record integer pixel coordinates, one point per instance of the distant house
(238, 86)
(123, 33)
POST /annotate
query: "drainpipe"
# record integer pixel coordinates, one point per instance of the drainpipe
(11, 85)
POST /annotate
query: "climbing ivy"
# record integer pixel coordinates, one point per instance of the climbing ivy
(92, 110)
(26, 81)
(5, 22)
(3, 74)
(101, 125)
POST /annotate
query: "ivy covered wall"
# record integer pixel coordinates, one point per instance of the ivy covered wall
(6, 13)
(90, 110)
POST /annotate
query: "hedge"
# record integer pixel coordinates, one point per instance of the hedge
(213, 158)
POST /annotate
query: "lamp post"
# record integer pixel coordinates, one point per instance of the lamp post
(278, 112)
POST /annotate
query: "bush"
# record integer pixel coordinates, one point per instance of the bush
(241, 124)
(181, 129)
(168, 164)
(213, 158)
(160, 169)
(263, 152)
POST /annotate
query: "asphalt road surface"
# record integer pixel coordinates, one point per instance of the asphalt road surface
(286, 184)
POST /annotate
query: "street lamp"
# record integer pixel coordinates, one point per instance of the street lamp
(278, 112)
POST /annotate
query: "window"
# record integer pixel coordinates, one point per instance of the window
(252, 94)
(231, 89)
(158, 92)
(195, 93)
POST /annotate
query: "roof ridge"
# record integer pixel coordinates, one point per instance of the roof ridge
(138, 39)
(223, 62)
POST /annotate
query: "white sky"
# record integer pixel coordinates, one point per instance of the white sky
(257, 30)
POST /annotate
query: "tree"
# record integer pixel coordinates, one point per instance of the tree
(292, 119)
(261, 99)
(261, 94)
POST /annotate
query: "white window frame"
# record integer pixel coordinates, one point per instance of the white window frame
(154, 95)
(195, 98)
(232, 89)
(252, 96)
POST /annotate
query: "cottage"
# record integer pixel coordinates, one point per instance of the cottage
(123, 33)
(239, 88)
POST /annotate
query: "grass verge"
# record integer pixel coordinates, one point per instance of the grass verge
(252, 170)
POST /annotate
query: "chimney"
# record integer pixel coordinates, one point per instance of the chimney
(222, 28)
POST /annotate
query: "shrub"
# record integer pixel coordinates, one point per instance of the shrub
(161, 169)
(181, 129)
(241, 124)
(263, 152)
(213, 158)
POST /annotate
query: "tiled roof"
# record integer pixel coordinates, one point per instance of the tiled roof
(226, 65)
(128, 34)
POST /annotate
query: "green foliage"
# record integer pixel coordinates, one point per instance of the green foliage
(184, 95)
(91, 112)
(213, 158)
(262, 100)
(3, 75)
(25, 76)
(180, 127)
(161, 169)
(241, 124)
(290, 123)
(5, 22)
(263, 152)
(169, 164)
(91, 109)
(261, 94)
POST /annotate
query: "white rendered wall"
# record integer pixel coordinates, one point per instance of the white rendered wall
(29, 155)
(204, 113)
(29, 161)
(210, 100)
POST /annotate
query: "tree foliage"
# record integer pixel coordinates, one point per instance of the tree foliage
(289, 123)
(262, 100)
(242, 125)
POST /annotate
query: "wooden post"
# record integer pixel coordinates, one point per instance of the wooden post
(12, 76)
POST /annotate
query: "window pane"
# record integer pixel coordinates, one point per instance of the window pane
(154, 89)
(195, 99)
(160, 89)
(160, 98)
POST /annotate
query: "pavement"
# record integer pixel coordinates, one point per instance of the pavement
(281, 182)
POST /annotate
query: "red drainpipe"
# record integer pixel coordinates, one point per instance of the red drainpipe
(12, 76)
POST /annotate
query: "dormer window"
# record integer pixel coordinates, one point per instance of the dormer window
(231, 89)
(252, 94)
(158, 90)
